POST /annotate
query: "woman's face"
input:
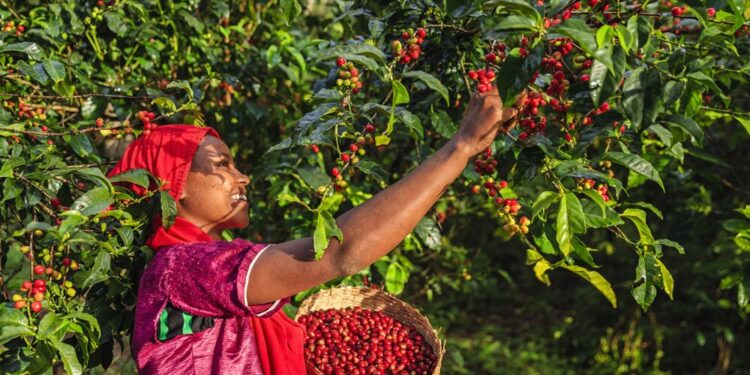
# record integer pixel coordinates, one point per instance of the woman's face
(214, 196)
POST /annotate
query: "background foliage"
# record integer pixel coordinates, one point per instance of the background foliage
(264, 74)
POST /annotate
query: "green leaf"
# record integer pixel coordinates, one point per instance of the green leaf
(545, 245)
(667, 279)
(372, 168)
(80, 144)
(428, 231)
(582, 252)
(183, 85)
(93, 202)
(636, 164)
(521, 7)
(283, 145)
(442, 123)
(688, 125)
(395, 278)
(597, 199)
(99, 272)
(580, 32)
(596, 279)
(325, 228)
(368, 62)
(507, 23)
(633, 96)
(646, 274)
(55, 70)
(376, 27)
(134, 176)
(544, 200)
(32, 50)
(168, 209)
(400, 94)
(430, 81)
(669, 243)
(51, 327)
(570, 219)
(638, 218)
(164, 102)
(744, 121)
(665, 136)
(34, 71)
(540, 271)
(313, 176)
(13, 323)
(649, 207)
(413, 122)
(594, 220)
(69, 358)
(606, 73)
(355, 49)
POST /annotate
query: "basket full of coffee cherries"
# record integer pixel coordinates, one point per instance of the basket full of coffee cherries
(355, 330)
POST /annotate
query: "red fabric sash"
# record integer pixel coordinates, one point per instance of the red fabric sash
(167, 154)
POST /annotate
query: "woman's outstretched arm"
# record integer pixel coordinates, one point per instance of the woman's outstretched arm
(377, 226)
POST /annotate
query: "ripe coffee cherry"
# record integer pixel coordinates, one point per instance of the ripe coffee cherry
(335, 172)
(315, 148)
(38, 283)
(340, 61)
(55, 202)
(711, 12)
(353, 147)
(66, 262)
(39, 269)
(359, 341)
(36, 306)
(345, 157)
(38, 297)
(26, 285)
(676, 11)
(20, 304)
(99, 122)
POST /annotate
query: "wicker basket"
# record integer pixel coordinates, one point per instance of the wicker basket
(376, 300)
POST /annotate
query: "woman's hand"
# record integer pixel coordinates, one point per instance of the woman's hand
(483, 119)
(375, 227)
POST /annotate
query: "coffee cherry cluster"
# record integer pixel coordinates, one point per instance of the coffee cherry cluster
(484, 77)
(10, 26)
(145, 117)
(348, 76)
(413, 50)
(44, 270)
(485, 163)
(587, 183)
(532, 121)
(357, 341)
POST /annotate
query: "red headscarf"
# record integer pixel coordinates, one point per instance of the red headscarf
(167, 153)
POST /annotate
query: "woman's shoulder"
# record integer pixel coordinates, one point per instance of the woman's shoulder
(204, 249)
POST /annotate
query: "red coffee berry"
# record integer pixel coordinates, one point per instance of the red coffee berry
(335, 172)
(55, 202)
(39, 269)
(99, 122)
(345, 158)
(38, 283)
(26, 285)
(340, 61)
(421, 33)
(66, 262)
(711, 12)
(36, 306)
(676, 11)
(20, 304)
(584, 77)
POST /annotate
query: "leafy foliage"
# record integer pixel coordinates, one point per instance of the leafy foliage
(643, 101)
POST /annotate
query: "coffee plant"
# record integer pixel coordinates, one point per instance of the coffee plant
(629, 152)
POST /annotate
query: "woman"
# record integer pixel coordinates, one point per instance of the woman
(210, 306)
